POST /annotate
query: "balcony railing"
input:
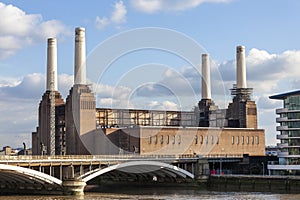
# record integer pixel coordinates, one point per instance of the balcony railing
(282, 128)
(281, 110)
(279, 137)
(281, 119)
(282, 145)
(283, 154)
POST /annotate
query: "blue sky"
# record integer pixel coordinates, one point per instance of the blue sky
(268, 28)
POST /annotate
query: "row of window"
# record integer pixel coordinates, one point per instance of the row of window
(295, 124)
(167, 138)
(207, 139)
(291, 133)
(244, 140)
(88, 105)
(213, 139)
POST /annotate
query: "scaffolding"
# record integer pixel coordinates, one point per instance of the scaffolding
(52, 116)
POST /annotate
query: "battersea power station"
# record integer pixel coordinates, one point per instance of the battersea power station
(75, 126)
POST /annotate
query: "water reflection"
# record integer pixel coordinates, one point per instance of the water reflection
(160, 194)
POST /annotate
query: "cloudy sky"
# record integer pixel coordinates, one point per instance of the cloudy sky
(135, 75)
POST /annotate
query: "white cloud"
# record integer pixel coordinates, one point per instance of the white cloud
(153, 6)
(65, 82)
(114, 103)
(118, 16)
(51, 28)
(109, 91)
(266, 72)
(30, 87)
(165, 105)
(100, 23)
(19, 29)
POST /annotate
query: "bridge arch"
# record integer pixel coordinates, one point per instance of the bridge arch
(140, 167)
(10, 173)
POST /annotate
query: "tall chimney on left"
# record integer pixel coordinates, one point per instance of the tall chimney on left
(206, 90)
(51, 65)
(80, 62)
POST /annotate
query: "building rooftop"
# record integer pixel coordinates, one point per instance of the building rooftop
(284, 95)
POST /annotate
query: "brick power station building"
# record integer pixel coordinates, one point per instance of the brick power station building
(76, 126)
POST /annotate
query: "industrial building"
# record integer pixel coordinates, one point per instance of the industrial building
(289, 135)
(76, 126)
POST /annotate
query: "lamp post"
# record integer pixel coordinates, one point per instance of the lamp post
(263, 164)
(24, 148)
(221, 166)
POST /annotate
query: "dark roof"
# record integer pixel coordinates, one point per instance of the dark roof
(284, 95)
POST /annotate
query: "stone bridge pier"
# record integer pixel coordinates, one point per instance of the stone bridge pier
(73, 187)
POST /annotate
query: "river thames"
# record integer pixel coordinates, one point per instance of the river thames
(161, 194)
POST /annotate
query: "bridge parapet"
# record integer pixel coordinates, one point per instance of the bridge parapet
(21, 160)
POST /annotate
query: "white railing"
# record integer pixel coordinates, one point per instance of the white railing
(46, 158)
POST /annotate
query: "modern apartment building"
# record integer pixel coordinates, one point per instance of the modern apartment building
(289, 134)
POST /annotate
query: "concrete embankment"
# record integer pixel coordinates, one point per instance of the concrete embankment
(254, 183)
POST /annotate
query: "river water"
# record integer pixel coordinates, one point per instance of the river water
(162, 194)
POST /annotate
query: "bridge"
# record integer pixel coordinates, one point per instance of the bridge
(70, 174)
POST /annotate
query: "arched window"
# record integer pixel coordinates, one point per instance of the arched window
(173, 139)
(167, 140)
(196, 139)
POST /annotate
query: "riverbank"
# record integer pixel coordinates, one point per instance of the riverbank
(254, 183)
(213, 183)
(225, 183)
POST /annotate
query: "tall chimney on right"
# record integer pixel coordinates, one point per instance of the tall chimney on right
(80, 61)
(241, 81)
(206, 91)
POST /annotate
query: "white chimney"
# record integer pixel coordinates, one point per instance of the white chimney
(206, 91)
(80, 62)
(241, 81)
(51, 65)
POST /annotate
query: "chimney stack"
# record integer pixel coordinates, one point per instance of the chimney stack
(80, 62)
(51, 65)
(206, 91)
(240, 67)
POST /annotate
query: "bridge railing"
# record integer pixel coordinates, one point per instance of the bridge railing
(94, 157)
(224, 156)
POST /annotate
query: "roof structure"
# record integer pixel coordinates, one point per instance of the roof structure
(285, 95)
